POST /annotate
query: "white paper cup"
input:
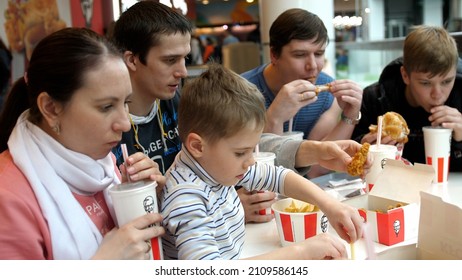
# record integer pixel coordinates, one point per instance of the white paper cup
(133, 200)
(266, 157)
(296, 227)
(295, 135)
(437, 142)
(380, 157)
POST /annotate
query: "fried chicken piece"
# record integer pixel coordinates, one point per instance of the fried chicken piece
(321, 88)
(355, 167)
(393, 125)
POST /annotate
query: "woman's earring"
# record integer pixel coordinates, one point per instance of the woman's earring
(57, 129)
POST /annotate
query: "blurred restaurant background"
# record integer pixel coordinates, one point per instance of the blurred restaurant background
(364, 34)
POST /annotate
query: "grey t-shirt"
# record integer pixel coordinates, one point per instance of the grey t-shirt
(285, 149)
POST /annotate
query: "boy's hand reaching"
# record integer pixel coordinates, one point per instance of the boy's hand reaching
(344, 219)
(323, 247)
(253, 202)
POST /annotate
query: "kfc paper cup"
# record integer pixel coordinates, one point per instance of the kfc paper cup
(265, 157)
(296, 227)
(133, 200)
(380, 155)
(437, 142)
(268, 158)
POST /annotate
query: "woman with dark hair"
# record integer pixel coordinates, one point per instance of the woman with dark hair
(58, 126)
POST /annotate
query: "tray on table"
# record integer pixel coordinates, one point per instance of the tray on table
(340, 185)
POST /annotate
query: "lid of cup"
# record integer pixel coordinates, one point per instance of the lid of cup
(266, 155)
(436, 128)
(132, 186)
(384, 147)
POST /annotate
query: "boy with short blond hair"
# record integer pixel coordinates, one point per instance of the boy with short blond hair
(425, 87)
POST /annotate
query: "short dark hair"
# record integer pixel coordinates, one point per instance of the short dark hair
(296, 24)
(140, 27)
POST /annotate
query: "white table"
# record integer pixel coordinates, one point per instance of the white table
(451, 191)
(263, 237)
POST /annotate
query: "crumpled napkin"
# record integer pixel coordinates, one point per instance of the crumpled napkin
(346, 188)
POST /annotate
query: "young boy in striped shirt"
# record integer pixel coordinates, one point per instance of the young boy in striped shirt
(221, 118)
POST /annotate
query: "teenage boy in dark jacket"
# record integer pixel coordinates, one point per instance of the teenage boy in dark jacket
(425, 87)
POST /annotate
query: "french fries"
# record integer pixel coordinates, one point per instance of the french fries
(293, 208)
(352, 251)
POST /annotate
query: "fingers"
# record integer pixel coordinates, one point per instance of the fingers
(262, 197)
(133, 158)
(132, 240)
(351, 231)
(322, 246)
(141, 167)
(368, 164)
(337, 249)
(338, 85)
(372, 139)
(343, 148)
(307, 96)
(447, 117)
(258, 201)
(388, 140)
(257, 218)
(342, 232)
(350, 227)
(123, 172)
(146, 220)
(369, 138)
(145, 248)
(303, 90)
(160, 179)
(254, 202)
(288, 101)
(444, 114)
(146, 227)
(349, 96)
(148, 250)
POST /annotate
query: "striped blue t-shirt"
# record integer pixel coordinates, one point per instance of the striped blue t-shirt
(308, 116)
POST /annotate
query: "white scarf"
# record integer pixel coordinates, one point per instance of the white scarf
(52, 171)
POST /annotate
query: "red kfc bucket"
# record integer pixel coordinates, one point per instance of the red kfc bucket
(295, 227)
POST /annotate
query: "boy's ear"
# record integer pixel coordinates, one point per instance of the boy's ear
(404, 75)
(195, 144)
